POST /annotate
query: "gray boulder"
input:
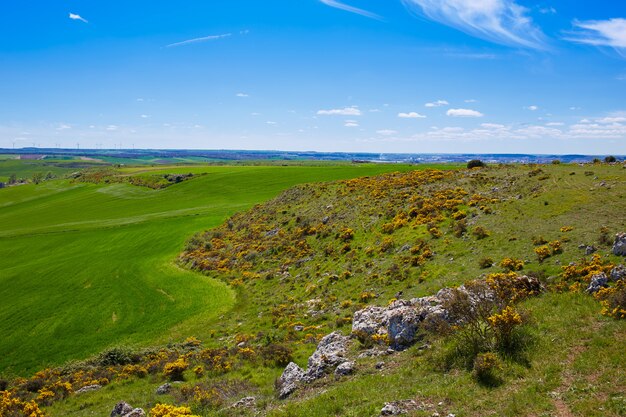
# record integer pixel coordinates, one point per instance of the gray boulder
(329, 354)
(289, 380)
(346, 368)
(598, 281)
(121, 409)
(164, 389)
(619, 246)
(618, 273)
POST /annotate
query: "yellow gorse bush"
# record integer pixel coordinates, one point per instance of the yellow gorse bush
(13, 406)
(166, 410)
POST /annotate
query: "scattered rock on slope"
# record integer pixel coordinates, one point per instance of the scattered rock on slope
(619, 246)
(123, 409)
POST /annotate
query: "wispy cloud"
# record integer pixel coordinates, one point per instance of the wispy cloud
(351, 9)
(411, 115)
(77, 17)
(346, 111)
(464, 113)
(532, 108)
(198, 40)
(500, 21)
(437, 103)
(242, 95)
(387, 132)
(351, 123)
(611, 33)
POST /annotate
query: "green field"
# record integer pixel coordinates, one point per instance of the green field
(85, 266)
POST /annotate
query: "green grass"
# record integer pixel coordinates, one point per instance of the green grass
(89, 266)
(26, 168)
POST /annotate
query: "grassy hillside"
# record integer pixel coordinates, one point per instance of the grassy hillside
(86, 266)
(298, 266)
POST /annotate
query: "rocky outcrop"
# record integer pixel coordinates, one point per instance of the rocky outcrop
(330, 353)
(598, 281)
(619, 246)
(123, 409)
(289, 380)
(398, 322)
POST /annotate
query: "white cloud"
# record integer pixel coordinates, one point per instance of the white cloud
(351, 9)
(145, 116)
(387, 132)
(492, 126)
(111, 128)
(271, 123)
(464, 113)
(610, 120)
(77, 17)
(242, 95)
(610, 33)
(63, 126)
(437, 103)
(471, 100)
(500, 21)
(198, 40)
(351, 123)
(547, 10)
(555, 124)
(346, 111)
(532, 108)
(411, 115)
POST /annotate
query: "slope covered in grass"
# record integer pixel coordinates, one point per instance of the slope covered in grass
(301, 264)
(86, 266)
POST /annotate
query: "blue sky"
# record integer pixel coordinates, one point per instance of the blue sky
(326, 75)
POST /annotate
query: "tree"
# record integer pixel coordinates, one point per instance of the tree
(610, 159)
(476, 163)
(12, 179)
(37, 177)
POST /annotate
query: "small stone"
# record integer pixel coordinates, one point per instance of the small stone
(379, 365)
(589, 250)
(298, 328)
(89, 388)
(241, 344)
(164, 389)
(390, 410)
(246, 402)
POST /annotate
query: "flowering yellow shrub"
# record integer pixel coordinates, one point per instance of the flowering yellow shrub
(583, 270)
(365, 296)
(613, 300)
(504, 323)
(12, 406)
(174, 370)
(565, 229)
(166, 410)
(512, 264)
(543, 252)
